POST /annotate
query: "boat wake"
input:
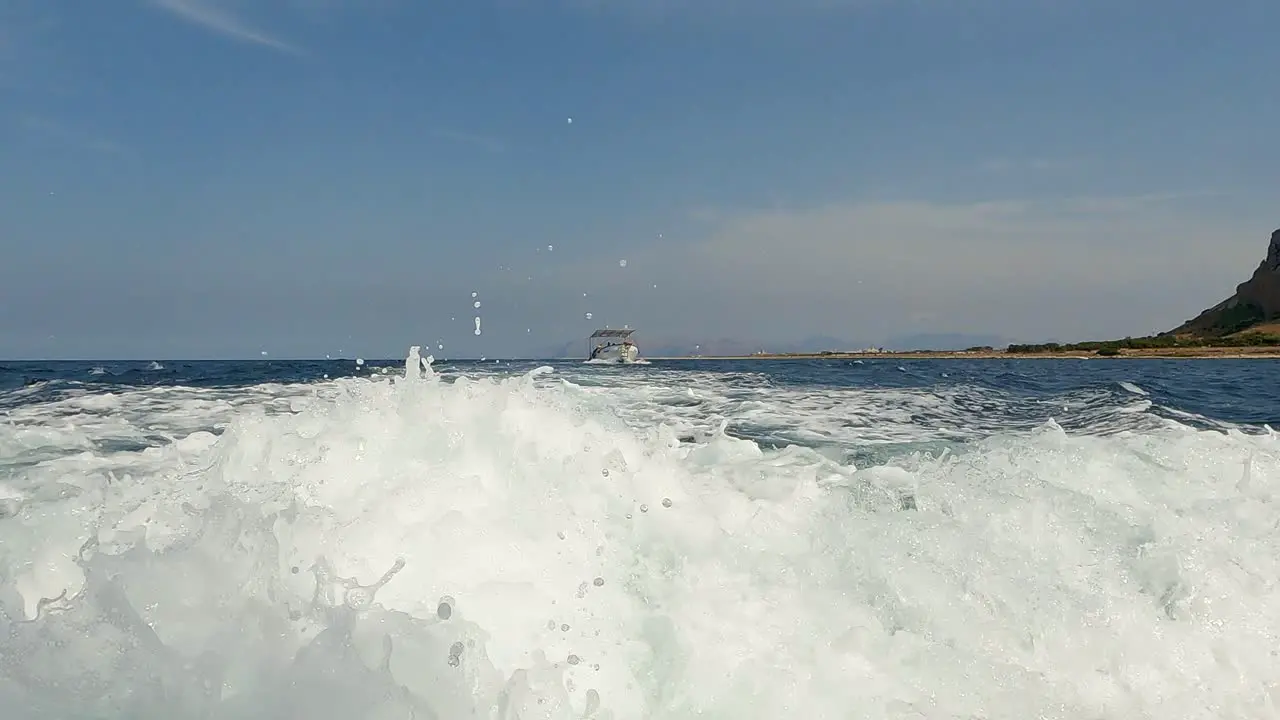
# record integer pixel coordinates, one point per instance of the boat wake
(604, 361)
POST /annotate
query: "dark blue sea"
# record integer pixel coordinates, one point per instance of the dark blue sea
(714, 539)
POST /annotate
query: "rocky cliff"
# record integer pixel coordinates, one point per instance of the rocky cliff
(1255, 303)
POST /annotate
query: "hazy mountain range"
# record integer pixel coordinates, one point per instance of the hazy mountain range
(658, 346)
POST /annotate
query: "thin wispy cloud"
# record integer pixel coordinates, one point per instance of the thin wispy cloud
(217, 17)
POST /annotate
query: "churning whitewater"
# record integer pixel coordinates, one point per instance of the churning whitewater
(552, 544)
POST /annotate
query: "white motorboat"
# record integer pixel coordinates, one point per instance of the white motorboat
(614, 347)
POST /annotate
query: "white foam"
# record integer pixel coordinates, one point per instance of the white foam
(852, 418)
(1133, 388)
(1039, 575)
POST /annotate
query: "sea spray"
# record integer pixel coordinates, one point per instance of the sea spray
(364, 548)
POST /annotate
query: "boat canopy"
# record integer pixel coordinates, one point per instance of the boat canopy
(610, 333)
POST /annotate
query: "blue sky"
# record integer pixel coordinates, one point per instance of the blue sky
(218, 178)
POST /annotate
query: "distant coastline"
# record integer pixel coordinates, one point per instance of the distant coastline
(1245, 325)
(1186, 353)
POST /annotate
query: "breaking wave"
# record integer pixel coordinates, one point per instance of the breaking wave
(527, 546)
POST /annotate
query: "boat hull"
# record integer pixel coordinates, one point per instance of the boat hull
(616, 355)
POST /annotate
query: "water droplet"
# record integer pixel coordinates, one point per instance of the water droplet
(551, 624)
(589, 316)
(605, 472)
(574, 659)
(474, 294)
(570, 121)
(564, 628)
(666, 502)
(477, 324)
(598, 582)
(550, 248)
(358, 598)
(622, 263)
(476, 304)
(444, 610)
(644, 508)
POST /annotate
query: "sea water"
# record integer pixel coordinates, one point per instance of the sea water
(889, 539)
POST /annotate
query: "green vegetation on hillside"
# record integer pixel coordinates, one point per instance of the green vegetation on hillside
(1154, 342)
(1235, 319)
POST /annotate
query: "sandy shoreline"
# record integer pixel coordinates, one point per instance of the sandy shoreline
(1223, 353)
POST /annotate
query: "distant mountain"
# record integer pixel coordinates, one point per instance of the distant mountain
(1255, 306)
(944, 341)
(818, 343)
(571, 349)
(651, 346)
(705, 346)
